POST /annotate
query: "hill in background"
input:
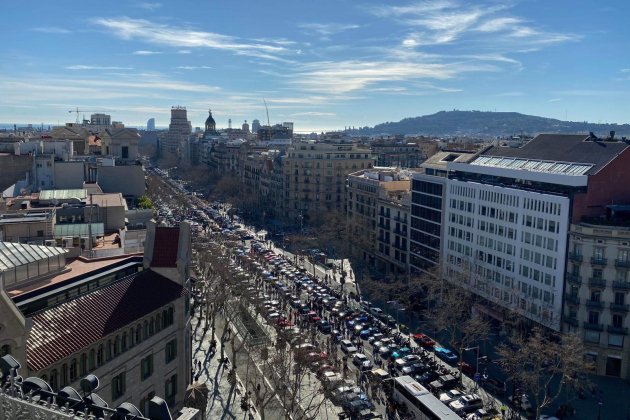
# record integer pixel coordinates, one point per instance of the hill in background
(489, 124)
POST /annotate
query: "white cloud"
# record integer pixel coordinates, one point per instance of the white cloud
(52, 30)
(149, 6)
(498, 24)
(625, 70)
(193, 67)
(554, 100)
(146, 52)
(172, 36)
(184, 52)
(313, 114)
(410, 42)
(327, 29)
(86, 67)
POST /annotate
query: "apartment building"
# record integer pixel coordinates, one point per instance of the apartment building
(315, 178)
(597, 287)
(402, 152)
(95, 316)
(508, 212)
(427, 211)
(378, 206)
(179, 130)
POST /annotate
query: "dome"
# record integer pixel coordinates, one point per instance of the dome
(211, 125)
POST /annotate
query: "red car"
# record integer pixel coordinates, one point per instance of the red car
(423, 340)
(466, 368)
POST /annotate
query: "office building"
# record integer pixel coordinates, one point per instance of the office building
(508, 212)
(255, 126)
(178, 132)
(151, 124)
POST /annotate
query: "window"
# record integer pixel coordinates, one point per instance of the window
(118, 386)
(144, 403)
(593, 317)
(598, 252)
(99, 355)
(170, 390)
(146, 367)
(171, 350)
(620, 298)
(617, 321)
(125, 152)
(597, 273)
(615, 340)
(591, 336)
(5, 349)
(73, 370)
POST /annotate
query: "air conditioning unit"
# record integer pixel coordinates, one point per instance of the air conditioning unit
(67, 242)
(50, 242)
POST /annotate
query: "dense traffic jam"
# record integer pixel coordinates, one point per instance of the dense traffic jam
(366, 366)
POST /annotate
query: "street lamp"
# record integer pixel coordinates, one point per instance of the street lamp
(398, 309)
(599, 408)
(474, 348)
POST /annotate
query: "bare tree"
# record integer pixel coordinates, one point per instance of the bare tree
(542, 364)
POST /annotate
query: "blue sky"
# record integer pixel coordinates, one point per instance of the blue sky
(321, 64)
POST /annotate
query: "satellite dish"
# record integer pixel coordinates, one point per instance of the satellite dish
(126, 409)
(37, 385)
(158, 409)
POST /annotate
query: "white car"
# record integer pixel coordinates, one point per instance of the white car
(466, 404)
(453, 394)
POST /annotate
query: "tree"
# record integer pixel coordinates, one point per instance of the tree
(542, 364)
(144, 202)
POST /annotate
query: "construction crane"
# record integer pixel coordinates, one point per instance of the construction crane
(77, 110)
(267, 109)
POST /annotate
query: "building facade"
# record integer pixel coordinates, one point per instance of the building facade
(597, 287)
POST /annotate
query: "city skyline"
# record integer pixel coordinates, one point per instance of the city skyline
(322, 66)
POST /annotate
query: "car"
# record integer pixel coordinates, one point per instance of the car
(324, 327)
(466, 369)
(444, 383)
(414, 369)
(365, 334)
(445, 354)
(448, 396)
(427, 377)
(386, 351)
(347, 347)
(423, 340)
(495, 386)
(376, 311)
(375, 337)
(336, 336)
(466, 403)
(322, 369)
(402, 352)
(358, 359)
(410, 359)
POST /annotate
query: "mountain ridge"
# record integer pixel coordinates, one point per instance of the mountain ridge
(489, 124)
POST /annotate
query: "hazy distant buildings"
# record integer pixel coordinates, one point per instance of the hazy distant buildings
(245, 127)
(151, 124)
(178, 132)
(255, 126)
(100, 119)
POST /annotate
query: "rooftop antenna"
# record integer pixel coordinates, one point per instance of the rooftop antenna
(267, 109)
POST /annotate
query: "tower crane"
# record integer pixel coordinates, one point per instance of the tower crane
(77, 110)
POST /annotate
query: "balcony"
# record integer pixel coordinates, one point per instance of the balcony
(571, 321)
(619, 307)
(599, 261)
(574, 278)
(596, 282)
(400, 232)
(400, 219)
(591, 326)
(617, 330)
(622, 263)
(597, 304)
(572, 298)
(621, 285)
(575, 256)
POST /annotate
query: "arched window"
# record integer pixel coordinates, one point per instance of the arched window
(5, 349)
(123, 343)
(164, 319)
(64, 374)
(73, 369)
(146, 330)
(116, 346)
(54, 378)
(92, 361)
(132, 342)
(109, 350)
(170, 316)
(83, 365)
(151, 327)
(138, 334)
(99, 355)
(158, 322)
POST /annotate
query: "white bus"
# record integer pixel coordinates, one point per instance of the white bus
(419, 401)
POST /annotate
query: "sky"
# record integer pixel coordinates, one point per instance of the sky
(320, 64)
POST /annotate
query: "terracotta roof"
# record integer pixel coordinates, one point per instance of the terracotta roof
(165, 247)
(70, 327)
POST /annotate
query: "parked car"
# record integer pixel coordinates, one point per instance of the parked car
(453, 394)
(423, 340)
(445, 354)
(347, 347)
(466, 404)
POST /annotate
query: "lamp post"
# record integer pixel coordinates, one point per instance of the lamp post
(599, 408)
(474, 348)
(398, 309)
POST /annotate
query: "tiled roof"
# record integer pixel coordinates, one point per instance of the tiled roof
(564, 148)
(72, 326)
(165, 247)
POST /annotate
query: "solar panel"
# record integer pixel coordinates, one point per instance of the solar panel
(552, 167)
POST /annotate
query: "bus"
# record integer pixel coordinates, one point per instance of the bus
(419, 401)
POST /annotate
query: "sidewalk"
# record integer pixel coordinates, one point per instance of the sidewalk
(224, 400)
